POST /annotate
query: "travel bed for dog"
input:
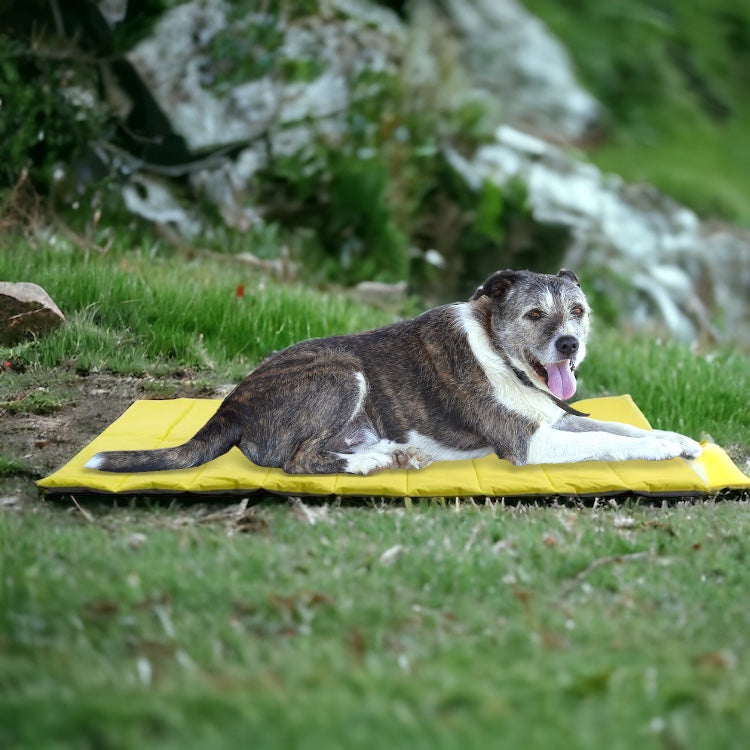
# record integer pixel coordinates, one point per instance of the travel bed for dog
(155, 424)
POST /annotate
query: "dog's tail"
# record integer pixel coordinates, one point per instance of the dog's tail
(214, 439)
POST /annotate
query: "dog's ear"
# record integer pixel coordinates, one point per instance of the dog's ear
(563, 273)
(497, 285)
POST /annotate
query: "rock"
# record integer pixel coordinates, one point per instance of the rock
(513, 54)
(351, 37)
(171, 64)
(152, 198)
(26, 312)
(211, 83)
(727, 254)
(673, 268)
(259, 115)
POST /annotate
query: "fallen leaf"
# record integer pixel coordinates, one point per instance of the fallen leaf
(357, 644)
(723, 659)
(100, 609)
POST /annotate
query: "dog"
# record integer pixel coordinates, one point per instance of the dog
(490, 375)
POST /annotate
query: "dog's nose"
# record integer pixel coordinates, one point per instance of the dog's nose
(567, 346)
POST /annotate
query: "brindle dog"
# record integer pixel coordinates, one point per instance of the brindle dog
(459, 381)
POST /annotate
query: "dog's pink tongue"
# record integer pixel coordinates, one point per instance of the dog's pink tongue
(560, 379)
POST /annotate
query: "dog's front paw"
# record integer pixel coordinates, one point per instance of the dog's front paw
(657, 449)
(690, 448)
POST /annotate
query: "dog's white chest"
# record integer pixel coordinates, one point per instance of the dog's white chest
(506, 387)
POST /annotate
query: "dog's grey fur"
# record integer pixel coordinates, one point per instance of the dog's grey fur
(459, 381)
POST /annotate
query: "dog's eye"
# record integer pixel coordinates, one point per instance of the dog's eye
(577, 311)
(534, 314)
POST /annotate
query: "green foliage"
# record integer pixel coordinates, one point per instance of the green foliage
(368, 197)
(647, 57)
(489, 211)
(50, 113)
(51, 60)
(301, 70)
(479, 231)
(340, 195)
(251, 45)
(244, 54)
(370, 200)
(364, 204)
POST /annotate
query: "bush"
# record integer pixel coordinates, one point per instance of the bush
(50, 113)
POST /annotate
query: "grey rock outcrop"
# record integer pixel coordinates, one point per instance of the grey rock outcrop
(511, 60)
(675, 269)
(513, 55)
(265, 114)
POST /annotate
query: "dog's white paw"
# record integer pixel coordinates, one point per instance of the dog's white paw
(655, 449)
(690, 448)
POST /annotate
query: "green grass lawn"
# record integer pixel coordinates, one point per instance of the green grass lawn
(421, 625)
(132, 312)
(358, 623)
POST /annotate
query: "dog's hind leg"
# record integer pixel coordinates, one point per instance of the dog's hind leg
(354, 449)
(311, 457)
(332, 424)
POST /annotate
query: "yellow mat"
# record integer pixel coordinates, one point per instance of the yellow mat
(154, 424)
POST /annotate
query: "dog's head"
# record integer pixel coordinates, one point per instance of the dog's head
(541, 323)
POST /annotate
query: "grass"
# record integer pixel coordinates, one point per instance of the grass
(676, 388)
(419, 626)
(131, 313)
(13, 467)
(37, 402)
(358, 623)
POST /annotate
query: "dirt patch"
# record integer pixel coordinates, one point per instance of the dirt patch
(85, 406)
